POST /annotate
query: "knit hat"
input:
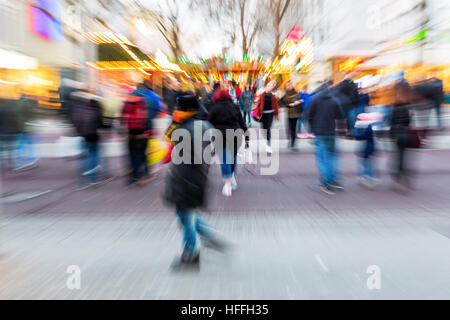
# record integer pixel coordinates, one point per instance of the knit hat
(187, 102)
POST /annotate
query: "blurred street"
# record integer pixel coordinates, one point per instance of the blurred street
(291, 242)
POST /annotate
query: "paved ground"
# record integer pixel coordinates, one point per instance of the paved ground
(292, 242)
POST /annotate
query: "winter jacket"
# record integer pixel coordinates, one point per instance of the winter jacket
(153, 102)
(400, 120)
(224, 115)
(260, 104)
(11, 119)
(365, 134)
(86, 115)
(289, 97)
(247, 99)
(186, 182)
(323, 113)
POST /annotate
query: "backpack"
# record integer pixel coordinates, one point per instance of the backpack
(85, 117)
(135, 113)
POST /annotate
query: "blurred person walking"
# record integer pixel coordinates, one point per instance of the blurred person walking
(208, 102)
(186, 185)
(326, 117)
(136, 120)
(400, 121)
(347, 93)
(11, 127)
(86, 116)
(247, 99)
(152, 100)
(302, 120)
(267, 109)
(364, 132)
(292, 103)
(171, 96)
(27, 153)
(432, 90)
(226, 117)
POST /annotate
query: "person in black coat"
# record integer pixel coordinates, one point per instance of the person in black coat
(226, 117)
(187, 179)
(325, 117)
(400, 121)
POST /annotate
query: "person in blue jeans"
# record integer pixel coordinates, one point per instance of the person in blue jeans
(90, 164)
(186, 184)
(193, 225)
(326, 117)
(306, 97)
(326, 159)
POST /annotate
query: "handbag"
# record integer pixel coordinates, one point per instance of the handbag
(255, 115)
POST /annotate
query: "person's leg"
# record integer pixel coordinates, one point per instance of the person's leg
(133, 158)
(319, 150)
(225, 163)
(400, 157)
(368, 168)
(299, 124)
(331, 160)
(189, 223)
(293, 131)
(264, 125)
(438, 114)
(269, 127)
(91, 160)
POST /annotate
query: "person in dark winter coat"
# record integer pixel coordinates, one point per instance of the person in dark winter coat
(171, 97)
(432, 90)
(226, 117)
(400, 120)
(207, 102)
(86, 116)
(324, 112)
(186, 182)
(247, 99)
(347, 93)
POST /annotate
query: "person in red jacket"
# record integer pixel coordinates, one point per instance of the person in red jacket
(267, 107)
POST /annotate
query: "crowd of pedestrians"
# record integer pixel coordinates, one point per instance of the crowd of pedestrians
(331, 111)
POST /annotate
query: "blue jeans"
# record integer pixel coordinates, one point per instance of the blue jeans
(365, 167)
(192, 225)
(303, 121)
(228, 162)
(91, 160)
(26, 150)
(326, 159)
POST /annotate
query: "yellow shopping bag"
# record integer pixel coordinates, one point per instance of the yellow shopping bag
(156, 151)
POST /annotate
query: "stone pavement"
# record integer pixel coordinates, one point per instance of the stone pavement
(291, 242)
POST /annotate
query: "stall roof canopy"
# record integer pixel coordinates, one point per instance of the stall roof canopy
(114, 52)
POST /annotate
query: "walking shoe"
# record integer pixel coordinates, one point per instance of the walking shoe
(366, 182)
(28, 166)
(336, 185)
(86, 173)
(234, 184)
(268, 149)
(187, 262)
(227, 190)
(327, 189)
(215, 243)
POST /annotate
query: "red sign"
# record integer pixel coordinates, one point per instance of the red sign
(295, 34)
